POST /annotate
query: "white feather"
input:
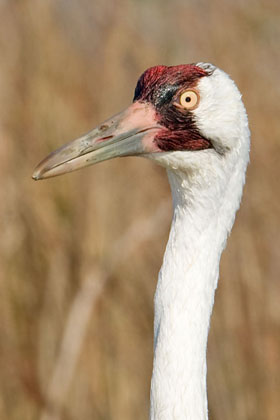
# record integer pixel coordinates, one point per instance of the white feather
(206, 189)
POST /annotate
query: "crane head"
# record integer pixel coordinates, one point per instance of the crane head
(179, 116)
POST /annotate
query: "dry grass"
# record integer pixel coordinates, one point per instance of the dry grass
(94, 239)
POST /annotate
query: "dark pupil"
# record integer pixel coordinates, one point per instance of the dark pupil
(188, 99)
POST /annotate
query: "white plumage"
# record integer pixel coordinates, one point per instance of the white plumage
(206, 187)
(206, 190)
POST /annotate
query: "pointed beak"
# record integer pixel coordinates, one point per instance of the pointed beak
(128, 133)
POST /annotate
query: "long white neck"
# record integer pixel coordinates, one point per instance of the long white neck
(204, 212)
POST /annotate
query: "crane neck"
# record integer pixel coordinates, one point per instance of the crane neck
(185, 291)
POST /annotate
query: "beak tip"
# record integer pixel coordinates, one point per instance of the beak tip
(38, 174)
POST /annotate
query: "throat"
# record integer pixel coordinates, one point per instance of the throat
(184, 300)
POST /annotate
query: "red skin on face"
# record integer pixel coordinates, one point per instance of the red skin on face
(159, 86)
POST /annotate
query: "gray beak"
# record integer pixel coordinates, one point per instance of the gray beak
(128, 133)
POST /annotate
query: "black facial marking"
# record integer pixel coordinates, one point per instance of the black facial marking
(164, 95)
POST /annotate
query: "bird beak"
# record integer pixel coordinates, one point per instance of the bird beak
(128, 133)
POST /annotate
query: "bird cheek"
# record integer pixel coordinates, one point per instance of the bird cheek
(149, 142)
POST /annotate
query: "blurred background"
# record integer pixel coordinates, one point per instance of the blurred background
(79, 255)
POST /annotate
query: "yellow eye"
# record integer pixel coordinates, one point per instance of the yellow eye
(189, 99)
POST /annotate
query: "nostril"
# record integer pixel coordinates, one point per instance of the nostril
(107, 138)
(104, 139)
